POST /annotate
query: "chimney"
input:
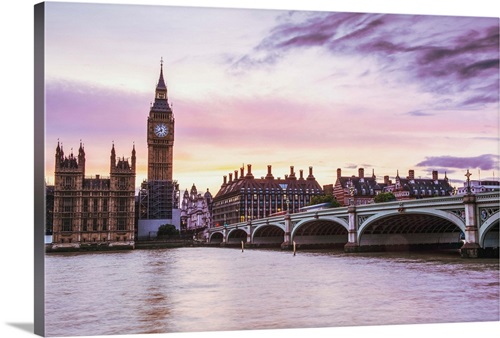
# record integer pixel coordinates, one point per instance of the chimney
(311, 176)
(434, 175)
(292, 173)
(230, 177)
(386, 180)
(97, 176)
(339, 173)
(249, 171)
(301, 174)
(361, 172)
(411, 174)
(225, 180)
(269, 173)
(235, 175)
(242, 172)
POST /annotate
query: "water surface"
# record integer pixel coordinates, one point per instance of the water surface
(216, 289)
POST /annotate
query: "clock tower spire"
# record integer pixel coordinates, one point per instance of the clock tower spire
(160, 134)
(161, 87)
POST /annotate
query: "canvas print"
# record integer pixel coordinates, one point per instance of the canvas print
(221, 169)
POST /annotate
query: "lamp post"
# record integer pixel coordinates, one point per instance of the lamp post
(351, 193)
(468, 175)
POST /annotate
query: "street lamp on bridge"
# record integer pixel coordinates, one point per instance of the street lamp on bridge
(351, 193)
(468, 175)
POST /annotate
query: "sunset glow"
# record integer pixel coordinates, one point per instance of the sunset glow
(275, 87)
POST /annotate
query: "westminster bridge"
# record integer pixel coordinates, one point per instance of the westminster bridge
(468, 222)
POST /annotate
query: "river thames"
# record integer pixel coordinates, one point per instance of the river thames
(218, 289)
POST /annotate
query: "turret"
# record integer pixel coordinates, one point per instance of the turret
(59, 155)
(112, 159)
(194, 191)
(81, 158)
(133, 158)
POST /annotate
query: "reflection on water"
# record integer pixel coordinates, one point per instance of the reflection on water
(215, 289)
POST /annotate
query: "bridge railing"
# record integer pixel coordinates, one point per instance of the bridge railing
(455, 200)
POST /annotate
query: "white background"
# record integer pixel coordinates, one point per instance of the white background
(16, 153)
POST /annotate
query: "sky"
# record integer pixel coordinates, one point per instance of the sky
(303, 88)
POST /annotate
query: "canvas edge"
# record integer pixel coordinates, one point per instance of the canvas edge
(39, 169)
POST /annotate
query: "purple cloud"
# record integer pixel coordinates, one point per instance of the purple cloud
(494, 139)
(444, 55)
(483, 162)
(350, 166)
(419, 113)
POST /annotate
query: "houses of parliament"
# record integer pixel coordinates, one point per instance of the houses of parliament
(103, 212)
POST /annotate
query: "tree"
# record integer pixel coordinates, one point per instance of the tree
(167, 230)
(325, 199)
(384, 197)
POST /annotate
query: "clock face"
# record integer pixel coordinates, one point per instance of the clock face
(161, 130)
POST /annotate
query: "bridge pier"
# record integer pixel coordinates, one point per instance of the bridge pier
(352, 244)
(249, 233)
(287, 243)
(224, 237)
(471, 247)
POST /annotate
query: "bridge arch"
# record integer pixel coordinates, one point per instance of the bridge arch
(269, 234)
(320, 231)
(412, 227)
(216, 237)
(488, 233)
(236, 235)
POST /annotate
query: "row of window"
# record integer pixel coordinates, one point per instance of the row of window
(282, 190)
(94, 240)
(123, 183)
(95, 193)
(93, 225)
(121, 206)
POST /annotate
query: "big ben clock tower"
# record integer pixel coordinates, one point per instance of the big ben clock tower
(160, 135)
(158, 196)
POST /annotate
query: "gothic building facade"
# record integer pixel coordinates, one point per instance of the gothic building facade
(196, 210)
(244, 197)
(93, 211)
